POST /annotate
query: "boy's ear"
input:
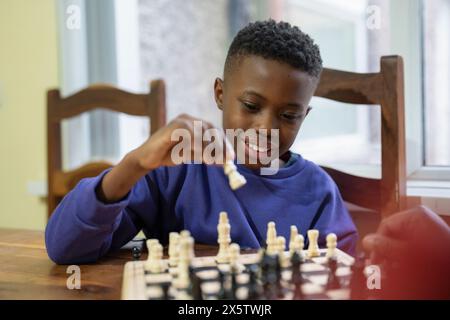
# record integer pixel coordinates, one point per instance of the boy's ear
(218, 92)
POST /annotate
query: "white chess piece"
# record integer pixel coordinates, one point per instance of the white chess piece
(150, 243)
(185, 234)
(191, 242)
(271, 238)
(234, 252)
(313, 248)
(183, 280)
(300, 243)
(331, 245)
(281, 246)
(223, 238)
(174, 241)
(156, 264)
(235, 179)
(294, 234)
(297, 245)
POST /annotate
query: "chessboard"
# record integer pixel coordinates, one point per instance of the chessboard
(308, 278)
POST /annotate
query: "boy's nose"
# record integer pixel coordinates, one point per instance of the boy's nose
(266, 121)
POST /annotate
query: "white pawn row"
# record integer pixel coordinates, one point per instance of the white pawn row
(276, 244)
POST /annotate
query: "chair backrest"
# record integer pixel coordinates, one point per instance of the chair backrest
(151, 104)
(385, 88)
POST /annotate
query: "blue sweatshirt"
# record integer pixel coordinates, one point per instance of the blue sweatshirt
(82, 228)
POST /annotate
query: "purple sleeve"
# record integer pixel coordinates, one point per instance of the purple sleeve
(334, 218)
(82, 228)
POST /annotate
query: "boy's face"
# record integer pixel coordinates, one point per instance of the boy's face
(264, 94)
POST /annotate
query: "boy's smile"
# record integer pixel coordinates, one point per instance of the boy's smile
(259, 93)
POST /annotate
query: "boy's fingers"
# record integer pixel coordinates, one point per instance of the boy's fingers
(382, 246)
(401, 224)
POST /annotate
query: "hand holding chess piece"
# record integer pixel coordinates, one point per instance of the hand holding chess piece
(160, 150)
(418, 242)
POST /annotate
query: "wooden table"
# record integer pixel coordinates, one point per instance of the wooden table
(26, 272)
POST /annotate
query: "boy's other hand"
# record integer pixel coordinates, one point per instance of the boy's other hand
(413, 249)
(407, 232)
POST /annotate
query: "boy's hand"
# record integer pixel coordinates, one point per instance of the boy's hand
(158, 150)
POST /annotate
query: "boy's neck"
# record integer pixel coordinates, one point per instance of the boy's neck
(286, 156)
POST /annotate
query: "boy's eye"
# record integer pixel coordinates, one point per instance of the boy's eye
(250, 107)
(290, 116)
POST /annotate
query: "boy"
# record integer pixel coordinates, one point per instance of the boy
(270, 75)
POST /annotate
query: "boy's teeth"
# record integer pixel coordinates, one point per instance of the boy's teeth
(256, 148)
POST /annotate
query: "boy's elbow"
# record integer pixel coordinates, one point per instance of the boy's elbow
(59, 251)
(55, 251)
(60, 257)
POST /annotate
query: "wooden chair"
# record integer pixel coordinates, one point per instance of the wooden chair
(385, 88)
(104, 96)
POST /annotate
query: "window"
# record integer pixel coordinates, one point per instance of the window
(436, 51)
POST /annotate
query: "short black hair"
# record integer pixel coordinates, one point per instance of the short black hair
(276, 41)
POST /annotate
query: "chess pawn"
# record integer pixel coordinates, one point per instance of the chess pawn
(281, 245)
(331, 245)
(313, 248)
(156, 264)
(150, 243)
(234, 253)
(224, 238)
(271, 239)
(294, 234)
(174, 241)
(300, 244)
(185, 234)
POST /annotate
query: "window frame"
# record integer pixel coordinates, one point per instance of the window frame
(417, 171)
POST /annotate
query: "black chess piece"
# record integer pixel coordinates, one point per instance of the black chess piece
(221, 294)
(197, 293)
(254, 288)
(234, 286)
(270, 277)
(333, 280)
(297, 279)
(278, 276)
(165, 289)
(136, 253)
(358, 282)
